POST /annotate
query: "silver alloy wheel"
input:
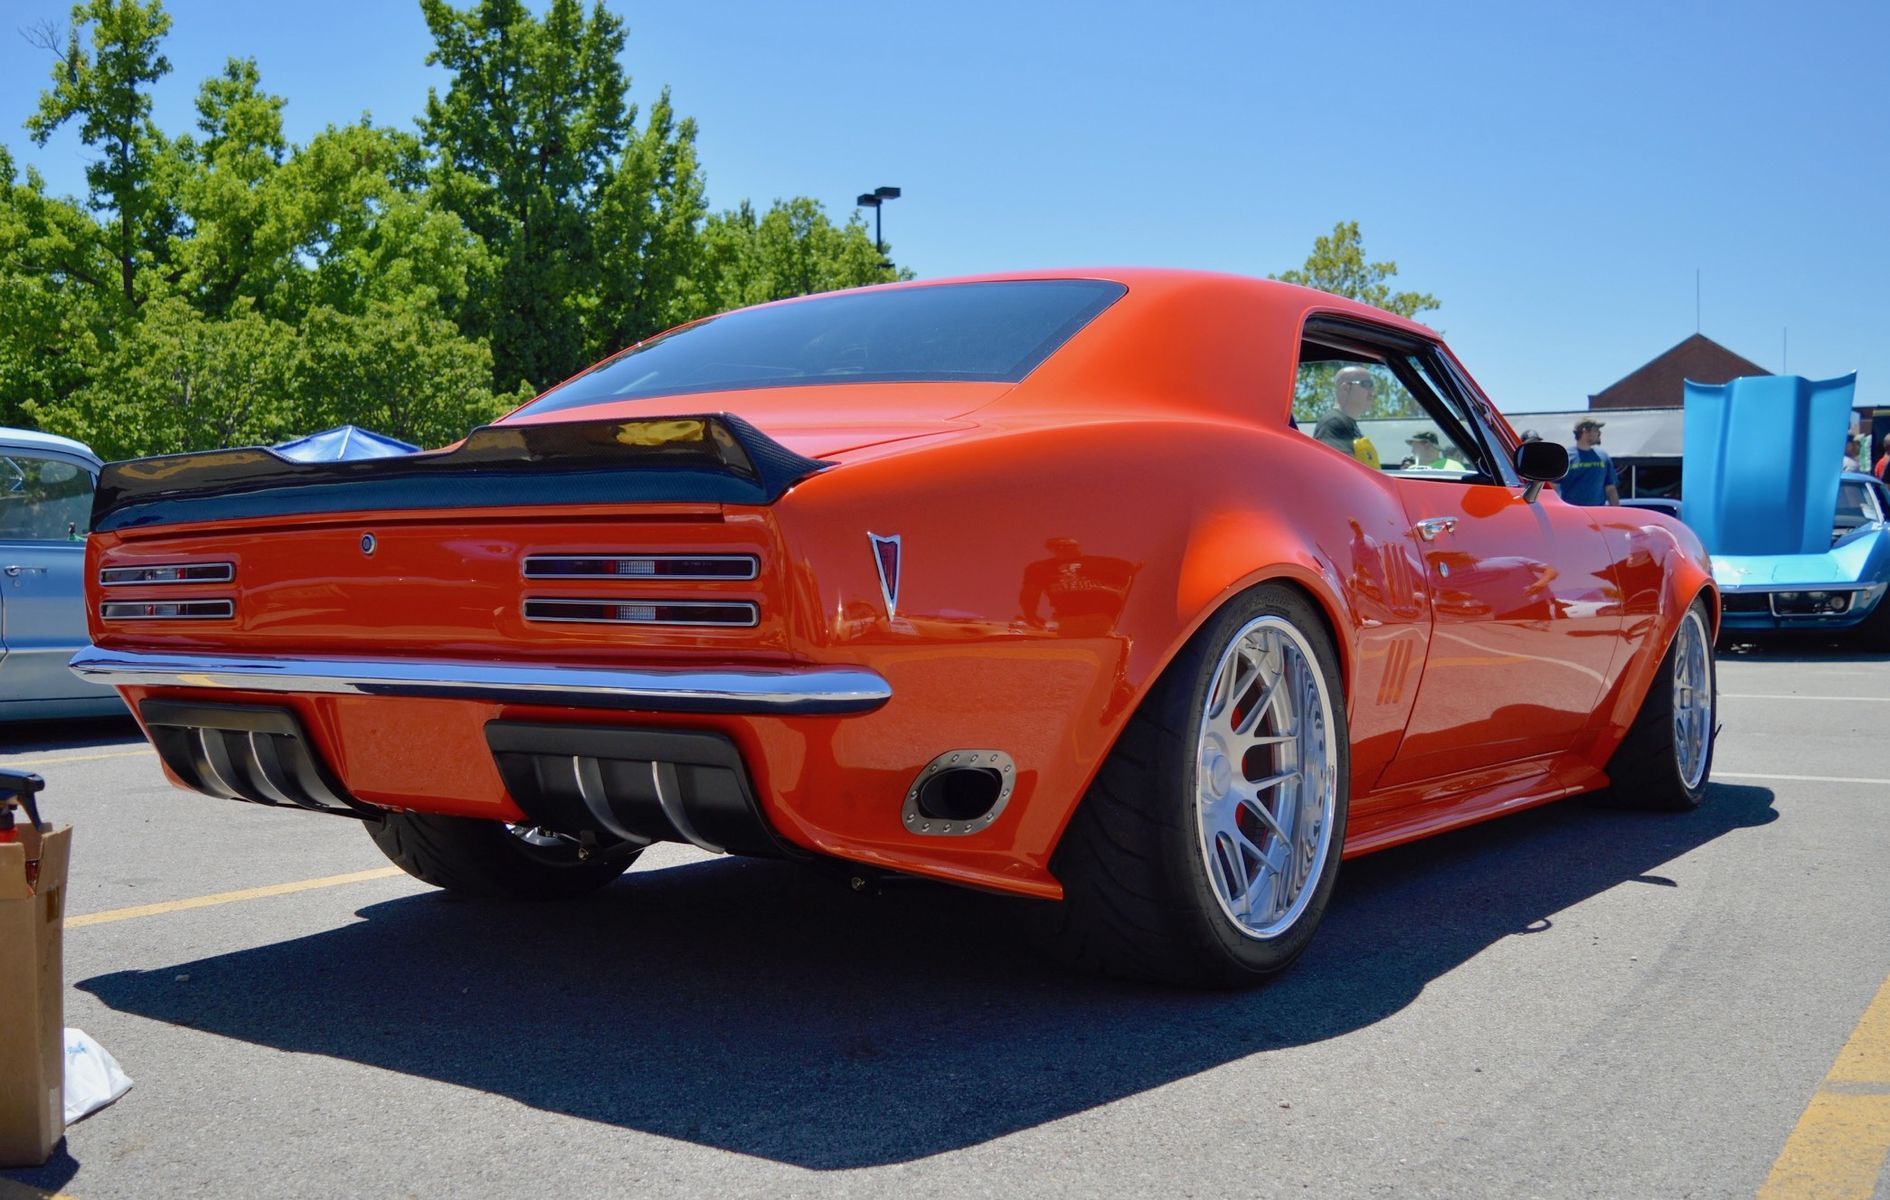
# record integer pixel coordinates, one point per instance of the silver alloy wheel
(1692, 698)
(1266, 779)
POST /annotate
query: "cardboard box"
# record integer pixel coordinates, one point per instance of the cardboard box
(32, 999)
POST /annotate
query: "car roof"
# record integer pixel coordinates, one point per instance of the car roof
(33, 439)
(1165, 279)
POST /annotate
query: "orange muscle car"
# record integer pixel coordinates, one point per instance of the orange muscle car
(1030, 583)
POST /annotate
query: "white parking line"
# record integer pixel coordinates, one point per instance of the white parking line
(1718, 774)
(1754, 696)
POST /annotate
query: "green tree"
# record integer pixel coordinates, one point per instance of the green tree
(650, 244)
(528, 137)
(224, 190)
(108, 91)
(351, 222)
(176, 380)
(53, 270)
(791, 250)
(397, 367)
(1338, 265)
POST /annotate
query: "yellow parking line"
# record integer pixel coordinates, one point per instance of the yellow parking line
(32, 763)
(1839, 1145)
(256, 893)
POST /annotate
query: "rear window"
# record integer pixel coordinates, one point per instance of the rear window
(960, 332)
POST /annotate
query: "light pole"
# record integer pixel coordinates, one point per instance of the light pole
(873, 200)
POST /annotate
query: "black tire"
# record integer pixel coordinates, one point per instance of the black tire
(1873, 633)
(1138, 898)
(1646, 770)
(485, 858)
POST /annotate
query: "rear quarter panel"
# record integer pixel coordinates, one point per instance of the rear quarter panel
(1048, 575)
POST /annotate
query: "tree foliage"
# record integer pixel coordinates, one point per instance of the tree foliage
(108, 92)
(527, 139)
(1338, 265)
(225, 285)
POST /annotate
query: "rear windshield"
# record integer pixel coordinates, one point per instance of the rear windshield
(959, 332)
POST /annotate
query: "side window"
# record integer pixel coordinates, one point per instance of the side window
(43, 499)
(1343, 402)
(1390, 409)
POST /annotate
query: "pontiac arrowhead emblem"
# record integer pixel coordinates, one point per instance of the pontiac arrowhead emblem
(886, 557)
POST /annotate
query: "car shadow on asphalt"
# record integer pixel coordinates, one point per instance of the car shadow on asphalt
(1801, 650)
(764, 1009)
(71, 733)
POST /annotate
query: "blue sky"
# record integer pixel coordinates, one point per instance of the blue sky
(1554, 173)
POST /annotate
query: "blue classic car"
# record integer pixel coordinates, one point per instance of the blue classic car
(1797, 545)
(45, 509)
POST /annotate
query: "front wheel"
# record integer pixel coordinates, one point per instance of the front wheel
(1873, 632)
(491, 858)
(1665, 760)
(1207, 849)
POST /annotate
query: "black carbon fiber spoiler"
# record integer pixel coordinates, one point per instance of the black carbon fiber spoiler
(710, 458)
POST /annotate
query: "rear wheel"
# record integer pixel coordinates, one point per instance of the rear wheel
(491, 858)
(1207, 849)
(1665, 760)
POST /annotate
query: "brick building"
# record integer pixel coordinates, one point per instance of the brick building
(1661, 383)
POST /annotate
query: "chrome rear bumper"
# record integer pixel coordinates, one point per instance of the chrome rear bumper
(787, 691)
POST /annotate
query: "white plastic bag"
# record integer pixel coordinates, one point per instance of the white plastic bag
(93, 1077)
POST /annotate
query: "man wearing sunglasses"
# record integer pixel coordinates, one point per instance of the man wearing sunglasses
(1351, 397)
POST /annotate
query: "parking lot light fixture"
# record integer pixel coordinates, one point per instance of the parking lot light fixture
(874, 200)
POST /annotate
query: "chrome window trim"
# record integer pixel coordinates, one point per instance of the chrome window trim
(801, 690)
(105, 574)
(750, 561)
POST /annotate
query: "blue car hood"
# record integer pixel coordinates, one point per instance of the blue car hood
(1862, 557)
(1762, 456)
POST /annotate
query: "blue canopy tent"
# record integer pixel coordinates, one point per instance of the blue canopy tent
(341, 443)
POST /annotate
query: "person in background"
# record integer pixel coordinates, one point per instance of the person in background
(1591, 478)
(1853, 446)
(1885, 458)
(1351, 397)
(1427, 453)
(1530, 435)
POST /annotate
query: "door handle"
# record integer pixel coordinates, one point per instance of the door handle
(1430, 527)
(14, 570)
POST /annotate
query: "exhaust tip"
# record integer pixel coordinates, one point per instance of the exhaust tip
(958, 793)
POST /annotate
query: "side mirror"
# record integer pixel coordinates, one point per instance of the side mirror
(1539, 463)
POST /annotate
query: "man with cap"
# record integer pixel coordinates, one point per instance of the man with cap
(1591, 478)
(1427, 453)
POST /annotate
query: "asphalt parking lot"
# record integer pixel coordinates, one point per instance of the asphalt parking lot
(1573, 1001)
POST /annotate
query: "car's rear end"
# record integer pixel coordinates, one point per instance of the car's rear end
(260, 614)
